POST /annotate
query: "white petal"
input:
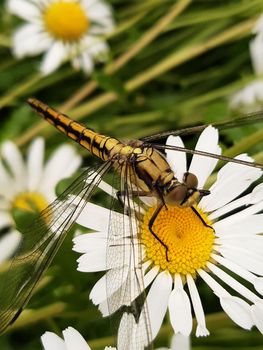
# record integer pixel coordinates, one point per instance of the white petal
(202, 166)
(23, 9)
(213, 284)
(15, 162)
(180, 342)
(240, 271)
(232, 180)
(201, 330)
(132, 335)
(126, 332)
(243, 257)
(6, 219)
(248, 226)
(157, 300)
(93, 261)
(176, 160)
(238, 310)
(85, 61)
(63, 163)
(257, 315)
(30, 40)
(252, 198)
(9, 244)
(35, 160)
(258, 28)
(88, 242)
(253, 243)
(74, 340)
(97, 10)
(7, 188)
(258, 284)
(53, 58)
(52, 341)
(94, 47)
(98, 293)
(108, 284)
(95, 217)
(234, 284)
(256, 53)
(150, 276)
(180, 309)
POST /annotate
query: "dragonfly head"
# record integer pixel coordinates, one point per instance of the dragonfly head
(185, 193)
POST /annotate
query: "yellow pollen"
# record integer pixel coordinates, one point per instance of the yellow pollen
(66, 21)
(30, 201)
(188, 239)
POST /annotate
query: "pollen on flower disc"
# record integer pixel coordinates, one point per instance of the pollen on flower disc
(188, 236)
(66, 21)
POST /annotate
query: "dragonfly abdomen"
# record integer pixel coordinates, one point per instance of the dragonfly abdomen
(101, 146)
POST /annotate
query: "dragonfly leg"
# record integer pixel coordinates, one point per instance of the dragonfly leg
(151, 222)
(202, 220)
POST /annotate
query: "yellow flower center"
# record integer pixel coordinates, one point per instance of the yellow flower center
(66, 20)
(30, 201)
(181, 230)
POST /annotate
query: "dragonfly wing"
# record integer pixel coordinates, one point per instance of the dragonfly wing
(251, 118)
(125, 277)
(41, 241)
(207, 154)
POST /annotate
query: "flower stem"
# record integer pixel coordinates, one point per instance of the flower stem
(165, 65)
(145, 40)
(245, 144)
(29, 316)
(20, 89)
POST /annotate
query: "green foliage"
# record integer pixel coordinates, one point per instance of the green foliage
(183, 76)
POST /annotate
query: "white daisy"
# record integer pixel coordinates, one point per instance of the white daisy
(63, 30)
(29, 184)
(73, 340)
(222, 240)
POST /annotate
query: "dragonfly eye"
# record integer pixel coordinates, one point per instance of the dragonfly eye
(177, 195)
(190, 180)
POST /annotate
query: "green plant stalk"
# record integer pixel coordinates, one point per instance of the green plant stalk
(168, 63)
(258, 157)
(177, 58)
(217, 93)
(20, 89)
(139, 80)
(245, 143)
(217, 14)
(30, 316)
(144, 41)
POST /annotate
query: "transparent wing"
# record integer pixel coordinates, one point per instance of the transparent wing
(41, 241)
(252, 118)
(125, 262)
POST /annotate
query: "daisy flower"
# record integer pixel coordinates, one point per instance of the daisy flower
(73, 340)
(28, 185)
(63, 30)
(220, 238)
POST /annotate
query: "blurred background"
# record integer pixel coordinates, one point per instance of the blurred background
(168, 64)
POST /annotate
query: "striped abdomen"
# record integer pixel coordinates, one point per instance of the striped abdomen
(101, 146)
(147, 168)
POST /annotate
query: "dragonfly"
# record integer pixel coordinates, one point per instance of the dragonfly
(139, 169)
